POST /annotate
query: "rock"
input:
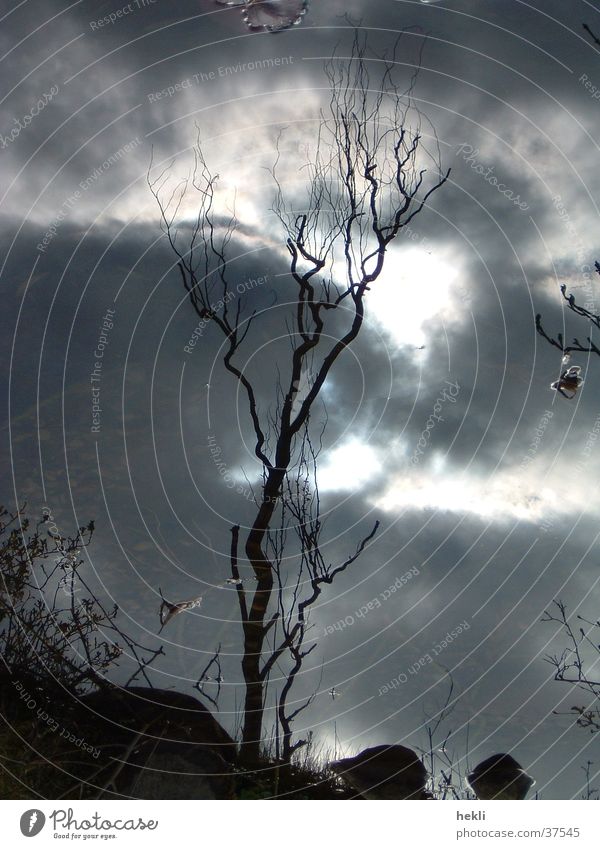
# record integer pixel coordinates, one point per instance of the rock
(177, 771)
(117, 714)
(500, 777)
(136, 742)
(384, 772)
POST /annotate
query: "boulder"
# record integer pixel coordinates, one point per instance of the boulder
(500, 777)
(177, 771)
(384, 772)
(118, 714)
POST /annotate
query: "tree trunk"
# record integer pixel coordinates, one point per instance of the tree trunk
(255, 629)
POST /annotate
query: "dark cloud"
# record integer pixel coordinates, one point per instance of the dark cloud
(482, 515)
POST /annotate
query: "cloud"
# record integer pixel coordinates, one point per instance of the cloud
(465, 282)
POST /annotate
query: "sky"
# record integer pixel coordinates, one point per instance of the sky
(479, 531)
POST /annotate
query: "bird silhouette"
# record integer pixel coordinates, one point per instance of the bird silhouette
(500, 777)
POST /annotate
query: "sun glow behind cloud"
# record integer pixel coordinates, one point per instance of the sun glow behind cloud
(415, 288)
(511, 494)
(508, 496)
(349, 466)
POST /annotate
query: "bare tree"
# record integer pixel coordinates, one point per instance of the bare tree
(592, 35)
(301, 500)
(579, 663)
(446, 777)
(591, 318)
(53, 625)
(365, 183)
(58, 641)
